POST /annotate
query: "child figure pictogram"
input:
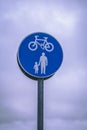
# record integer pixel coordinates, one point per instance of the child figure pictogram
(36, 67)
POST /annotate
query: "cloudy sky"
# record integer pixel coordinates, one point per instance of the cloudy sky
(65, 94)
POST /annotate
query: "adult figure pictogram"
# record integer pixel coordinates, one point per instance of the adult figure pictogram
(43, 62)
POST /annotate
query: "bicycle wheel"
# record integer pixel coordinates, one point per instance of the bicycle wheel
(32, 46)
(49, 47)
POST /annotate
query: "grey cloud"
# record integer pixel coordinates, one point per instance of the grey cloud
(64, 125)
(65, 93)
(19, 125)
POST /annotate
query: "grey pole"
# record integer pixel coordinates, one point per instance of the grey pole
(40, 104)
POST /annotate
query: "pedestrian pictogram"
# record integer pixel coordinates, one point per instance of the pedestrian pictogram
(43, 62)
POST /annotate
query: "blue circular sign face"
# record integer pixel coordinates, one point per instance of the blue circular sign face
(40, 55)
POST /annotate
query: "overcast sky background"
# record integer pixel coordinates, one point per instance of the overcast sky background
(65, 94)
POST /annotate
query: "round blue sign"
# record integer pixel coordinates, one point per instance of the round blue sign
(40, 55)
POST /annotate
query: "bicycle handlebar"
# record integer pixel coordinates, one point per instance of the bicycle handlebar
(36, 37)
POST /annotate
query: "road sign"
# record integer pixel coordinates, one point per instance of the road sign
(40, 55)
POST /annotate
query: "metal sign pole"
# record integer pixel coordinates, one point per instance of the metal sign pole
(40, 104)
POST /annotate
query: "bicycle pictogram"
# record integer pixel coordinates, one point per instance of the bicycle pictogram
(43, 43)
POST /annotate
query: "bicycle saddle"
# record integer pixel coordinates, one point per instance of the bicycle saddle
(36, 36)
(45, 37)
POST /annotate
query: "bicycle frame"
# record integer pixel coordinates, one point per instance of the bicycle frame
(42, 45)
